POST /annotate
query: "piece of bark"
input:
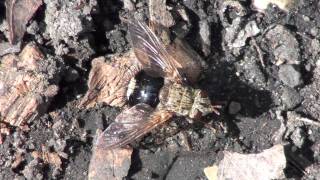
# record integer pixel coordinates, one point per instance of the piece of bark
(266, 165)
(109, 79)
(25, 85)
(109, 163)
(18, 13)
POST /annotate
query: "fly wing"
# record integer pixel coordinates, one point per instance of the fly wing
(152, 54)
(132, 124)
(108, 80)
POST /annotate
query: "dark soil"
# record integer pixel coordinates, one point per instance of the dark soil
(255, 97)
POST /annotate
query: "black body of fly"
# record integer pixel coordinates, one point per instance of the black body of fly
(145, 90)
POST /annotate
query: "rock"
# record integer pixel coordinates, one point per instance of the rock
(188, 166)
(315, 47)
(262, 5)
(117, 41)
(34, 170)
(109, 164)
(284, 45)
(251, 29)
(234, 108)
(268, 164)
(160, 14)
(65, 22)
(314, 31)
(237, 35)
(312, 172)
(290, 76)
(163, 158)
(60, 145)
(290, 98)
(71, 75)
(298, 137)
(250, 70)
(205, 35)
(316, 150)
(127, 4)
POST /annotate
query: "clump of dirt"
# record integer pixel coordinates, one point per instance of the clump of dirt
(262, 66)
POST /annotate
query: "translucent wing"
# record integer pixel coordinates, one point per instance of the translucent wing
(108, 80)
(130, 125)
(152, 54)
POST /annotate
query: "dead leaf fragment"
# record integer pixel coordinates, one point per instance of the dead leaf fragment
(109, 164)
(25, 90)
(18, 13)
(266, 165)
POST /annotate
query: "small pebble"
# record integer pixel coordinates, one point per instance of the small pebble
(290, 76)
(33, 170)
(234, 107)
(205, 35)
(290, 98)
(298, 137)
(72, 75)
(314, 31)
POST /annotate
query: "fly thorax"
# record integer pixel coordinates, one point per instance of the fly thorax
(144, 89)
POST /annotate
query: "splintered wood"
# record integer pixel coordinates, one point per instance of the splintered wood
(25, 90)
(108, 80)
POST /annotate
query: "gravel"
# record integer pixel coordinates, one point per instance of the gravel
(290, 98)
(290, 76)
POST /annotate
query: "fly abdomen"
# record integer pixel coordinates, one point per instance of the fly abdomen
(185, 100)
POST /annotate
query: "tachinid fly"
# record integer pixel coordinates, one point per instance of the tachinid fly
(155, 78)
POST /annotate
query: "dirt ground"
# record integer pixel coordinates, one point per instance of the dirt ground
(262, 66)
